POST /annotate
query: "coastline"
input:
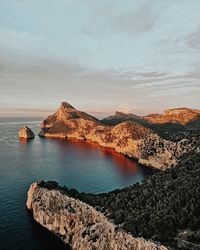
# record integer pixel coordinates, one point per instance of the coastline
(124, 208)
(128, 137)
(78, 224)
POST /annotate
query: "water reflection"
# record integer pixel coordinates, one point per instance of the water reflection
(124, 165)
(78, 164)
(25, 141)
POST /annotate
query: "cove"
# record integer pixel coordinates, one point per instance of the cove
(82, 165)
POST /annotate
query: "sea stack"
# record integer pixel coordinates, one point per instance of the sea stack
(26, 133)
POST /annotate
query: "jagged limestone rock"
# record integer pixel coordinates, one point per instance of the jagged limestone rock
(78, 224)
(128, 138)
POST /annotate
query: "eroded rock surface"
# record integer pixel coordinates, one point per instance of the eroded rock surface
(26, 133)
(128, 138)
(181, 115)
(79, 224)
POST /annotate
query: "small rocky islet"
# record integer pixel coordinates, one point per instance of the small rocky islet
(26, 133)
(164, 208)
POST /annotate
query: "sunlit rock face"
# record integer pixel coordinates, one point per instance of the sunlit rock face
(26, 133)
(64, 113)
(128, 138)
(78, 224)
(181, 115)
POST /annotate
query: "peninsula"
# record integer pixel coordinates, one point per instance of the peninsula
(164, 208)
(131, 136)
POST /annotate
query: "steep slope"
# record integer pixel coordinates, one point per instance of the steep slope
(180, 115)
(174, 124)
(165, 208)
(129, 138)
(78, 224)
(120, 117)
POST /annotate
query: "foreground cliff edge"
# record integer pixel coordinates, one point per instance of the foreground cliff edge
(164, 208)
(78, 224)
(131, 138)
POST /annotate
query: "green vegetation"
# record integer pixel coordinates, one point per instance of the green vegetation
(169, 130)
(160, 208)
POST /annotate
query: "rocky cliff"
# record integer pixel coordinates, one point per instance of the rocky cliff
(174, 124)
(180, 115)
(164, 207)
(129, 138)
(79, 224)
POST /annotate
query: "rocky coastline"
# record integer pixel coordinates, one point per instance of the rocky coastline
(164, 208)
(129, 138)
(78, 224)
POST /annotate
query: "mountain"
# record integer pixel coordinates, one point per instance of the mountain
(179, 115)
(120, 117)
(64, 113)
(174, 124)
(129, 138)
(164, 207)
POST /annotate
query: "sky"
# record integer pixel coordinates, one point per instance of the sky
(100, 56)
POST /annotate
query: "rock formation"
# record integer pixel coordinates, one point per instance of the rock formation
(26, 133)
(79, 224)
(180, 115)
(128, 138)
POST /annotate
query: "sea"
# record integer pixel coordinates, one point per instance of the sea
(76, 164)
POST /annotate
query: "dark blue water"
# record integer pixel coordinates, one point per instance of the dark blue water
(81, 165)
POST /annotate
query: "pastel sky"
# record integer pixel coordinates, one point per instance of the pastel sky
(99, 55)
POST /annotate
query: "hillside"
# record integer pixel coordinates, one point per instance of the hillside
(174, 124)
(165, 207)
(129, 138)
(180, 115)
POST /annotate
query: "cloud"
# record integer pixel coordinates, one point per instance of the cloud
(99, 55)
(125, 108)
(43, 83)
(193, 39)
(133, 21)
(111, 19)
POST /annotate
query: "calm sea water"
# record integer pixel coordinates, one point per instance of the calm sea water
(81, 165)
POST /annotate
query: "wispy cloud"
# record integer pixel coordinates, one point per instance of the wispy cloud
(99, 54)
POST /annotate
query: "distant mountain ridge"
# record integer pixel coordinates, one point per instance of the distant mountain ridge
(120, 117)
(180, 115)
(175, 115)
(173, 124)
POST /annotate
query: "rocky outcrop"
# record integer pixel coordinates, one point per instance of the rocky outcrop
(79, 224)
(128, 138)
(164, 208)
(26, 133)
(180, 115)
